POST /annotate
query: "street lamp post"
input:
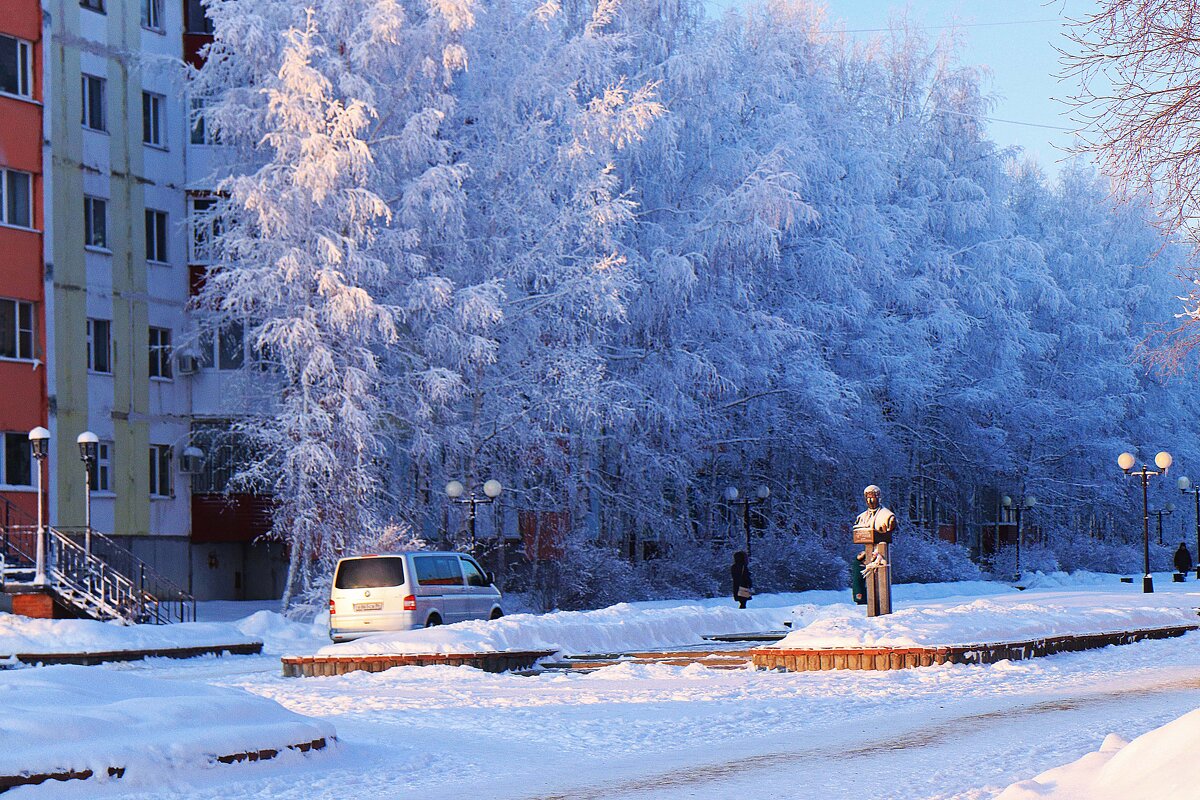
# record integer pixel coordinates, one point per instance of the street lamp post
(89, 448)
(760, 496)
(491, 490)
(39, 443)
(1028, 502)
(1185, 486)
(1166, 510)
(1126, 462)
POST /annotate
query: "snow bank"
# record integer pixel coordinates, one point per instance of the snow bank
(635, 626)
(1159, 764)
(24, 635)
(78, 718)
(1003, 618)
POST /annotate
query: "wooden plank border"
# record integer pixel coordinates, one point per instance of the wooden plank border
(890, 658)
(320, 666)
(94, 658)
(34, 778)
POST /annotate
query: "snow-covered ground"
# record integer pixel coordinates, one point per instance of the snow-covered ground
(654, 731)
(81, 718)
(20, 635)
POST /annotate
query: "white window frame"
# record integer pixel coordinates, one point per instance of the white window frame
(160, 354)
(93, 346)
(94, 5)
(152, 11)
(22, 441)
(154, 126)
(199, 131)
(6, 181)
(95, 209)
(20, 332)
(160, 470)
(198, 252)
(24, 68)
(88, 85)
(100, 474)
(156, 236)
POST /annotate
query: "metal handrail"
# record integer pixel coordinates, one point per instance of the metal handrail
(167, 601)
(74, 567)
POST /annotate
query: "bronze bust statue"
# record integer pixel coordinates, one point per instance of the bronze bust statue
(873, 529)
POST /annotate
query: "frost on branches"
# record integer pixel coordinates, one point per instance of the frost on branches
(330, 116)
(620, 256)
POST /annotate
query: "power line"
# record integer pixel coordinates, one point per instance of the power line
(948, 26)
(973, 116)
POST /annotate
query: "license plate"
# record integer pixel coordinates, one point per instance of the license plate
(368, 606)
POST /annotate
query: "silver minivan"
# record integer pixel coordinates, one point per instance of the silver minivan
(403, 591)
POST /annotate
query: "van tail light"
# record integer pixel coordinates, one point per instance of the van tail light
(332, 608)
(410, 603)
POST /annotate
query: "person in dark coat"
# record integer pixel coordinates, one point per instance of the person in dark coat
(740, 572)
(1183, 559)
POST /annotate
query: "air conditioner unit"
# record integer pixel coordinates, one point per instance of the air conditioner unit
(188, 365)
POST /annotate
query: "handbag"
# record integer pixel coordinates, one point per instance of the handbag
(744, 593)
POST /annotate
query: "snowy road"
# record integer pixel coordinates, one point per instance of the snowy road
(688, 732)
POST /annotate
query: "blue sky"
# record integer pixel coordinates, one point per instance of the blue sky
(1015, 39)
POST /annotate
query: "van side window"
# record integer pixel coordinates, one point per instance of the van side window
(475, 576)
(369, 573)
(437, 571)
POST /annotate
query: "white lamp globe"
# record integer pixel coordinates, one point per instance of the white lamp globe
(492, 488)
(1126, 461)
(454, 489)
(1164, 461)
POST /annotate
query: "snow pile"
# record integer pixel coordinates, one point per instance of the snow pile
(280, 634)
(20, 635)
(624, 626)
(1159, 764)
(79, 718)
(1005, 618)
(635, 626)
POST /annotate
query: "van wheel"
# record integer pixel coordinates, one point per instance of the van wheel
(434, 619)
(496, 613)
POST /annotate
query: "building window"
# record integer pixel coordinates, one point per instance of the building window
(152, 14)
(203, 227)
(160, 470)
(100, 470)
(16, 468)
(94, 5)
(195, 20)
(153, 124)
(16, 198)
(99, 345)
(225, 351)
(160, 353)
(156, 236)
(95, 222)
(16, 329)
(15, 67)
(202, 132)
(93, 103)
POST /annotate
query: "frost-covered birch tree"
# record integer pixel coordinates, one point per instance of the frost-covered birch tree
(329, 116)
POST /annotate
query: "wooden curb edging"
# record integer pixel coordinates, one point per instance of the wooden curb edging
(92, 659)
(32, 779)
(889, 658)
(320, 666)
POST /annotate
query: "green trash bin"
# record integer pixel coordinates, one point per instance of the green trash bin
(858, 580)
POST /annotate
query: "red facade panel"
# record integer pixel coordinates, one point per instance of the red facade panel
(229, 518)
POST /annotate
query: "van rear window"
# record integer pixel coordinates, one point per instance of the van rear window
(370, 573)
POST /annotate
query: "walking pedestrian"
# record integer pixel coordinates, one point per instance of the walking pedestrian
(1183, 559)
(740, 572)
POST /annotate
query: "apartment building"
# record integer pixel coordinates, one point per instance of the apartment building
(127, 163)
(23, 401)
